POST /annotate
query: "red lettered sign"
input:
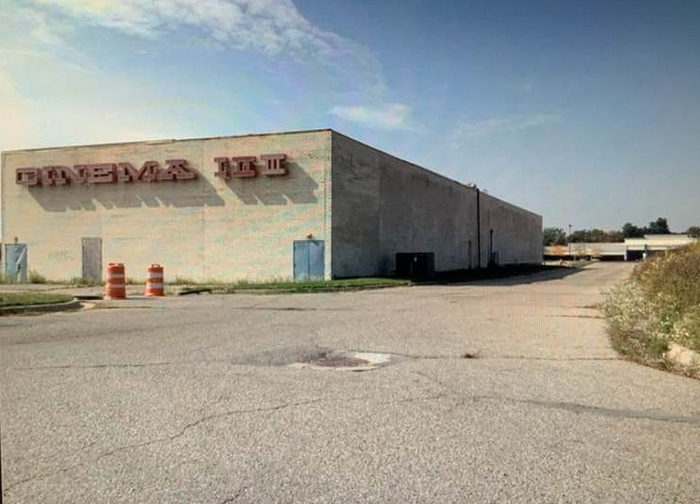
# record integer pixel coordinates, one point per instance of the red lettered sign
(245, 166)
(105, 173)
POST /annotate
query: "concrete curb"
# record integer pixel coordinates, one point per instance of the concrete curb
(41, 308)
(682, 356)
(213, 290)
(329, 290)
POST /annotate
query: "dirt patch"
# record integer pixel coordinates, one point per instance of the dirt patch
(339, 360)
(347, 361)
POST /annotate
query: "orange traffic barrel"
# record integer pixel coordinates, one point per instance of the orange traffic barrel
(154, 281)
(115, 288)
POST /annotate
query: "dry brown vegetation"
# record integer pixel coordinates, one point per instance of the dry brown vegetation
(658, 305)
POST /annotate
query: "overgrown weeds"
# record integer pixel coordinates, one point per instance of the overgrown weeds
(35, 277)
(657, 306)
(6, 279)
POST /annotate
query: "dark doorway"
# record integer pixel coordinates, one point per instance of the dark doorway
(415, 264)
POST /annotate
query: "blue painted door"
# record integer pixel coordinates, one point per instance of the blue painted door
(308, 260)
(16, 262)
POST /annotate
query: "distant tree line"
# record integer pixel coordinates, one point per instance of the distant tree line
(557, 236)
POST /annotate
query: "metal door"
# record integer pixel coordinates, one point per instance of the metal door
(92, 258)
(16, 262)
(308, 260)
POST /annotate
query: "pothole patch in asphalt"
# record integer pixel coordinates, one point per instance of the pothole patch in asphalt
(345, 361)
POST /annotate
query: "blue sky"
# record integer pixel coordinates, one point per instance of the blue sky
(587, 112)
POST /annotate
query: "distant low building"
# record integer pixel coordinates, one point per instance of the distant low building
(632, 249)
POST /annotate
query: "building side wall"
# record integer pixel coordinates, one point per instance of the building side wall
(355, 208)
(423, 212)
(517, 233)
(383, 205)
(202, 229)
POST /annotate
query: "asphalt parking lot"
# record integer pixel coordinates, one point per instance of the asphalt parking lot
(495, 391)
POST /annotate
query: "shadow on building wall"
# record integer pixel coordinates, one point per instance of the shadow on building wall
(177, 194)
(297, 187)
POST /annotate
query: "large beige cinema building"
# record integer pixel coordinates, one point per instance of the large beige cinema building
(304, 204)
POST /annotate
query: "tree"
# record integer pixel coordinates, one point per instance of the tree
(553, 236)
(659, 226)
(629, 230)
(594, 235)
(613, 236)
(578, 236)
(694, 231)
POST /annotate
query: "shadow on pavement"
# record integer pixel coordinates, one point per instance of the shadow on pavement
(502, 278)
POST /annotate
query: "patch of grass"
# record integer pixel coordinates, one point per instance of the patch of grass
(31, 298)
(658, 305)
(182, 281)
(84, 282)
(313, 285)
(288, 285)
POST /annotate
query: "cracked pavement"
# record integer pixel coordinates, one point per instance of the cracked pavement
(191, 400)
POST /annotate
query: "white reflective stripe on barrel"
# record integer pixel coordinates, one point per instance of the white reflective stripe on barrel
(115, 275)
(155, 285)
(115, 286)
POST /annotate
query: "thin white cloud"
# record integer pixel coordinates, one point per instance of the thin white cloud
(467, 130)
(271, 26)
(382, 116)
(39, 46)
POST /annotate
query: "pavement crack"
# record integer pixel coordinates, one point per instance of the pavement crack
(444, 386)
(559, 359)
(652, 415)
(100, 366)
(433, 397)
(578, 408)
(234, 497)
(125, 365)
(202, 420)
(162, 439)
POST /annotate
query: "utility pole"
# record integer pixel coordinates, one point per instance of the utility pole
(568, 241)
(478, 228)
